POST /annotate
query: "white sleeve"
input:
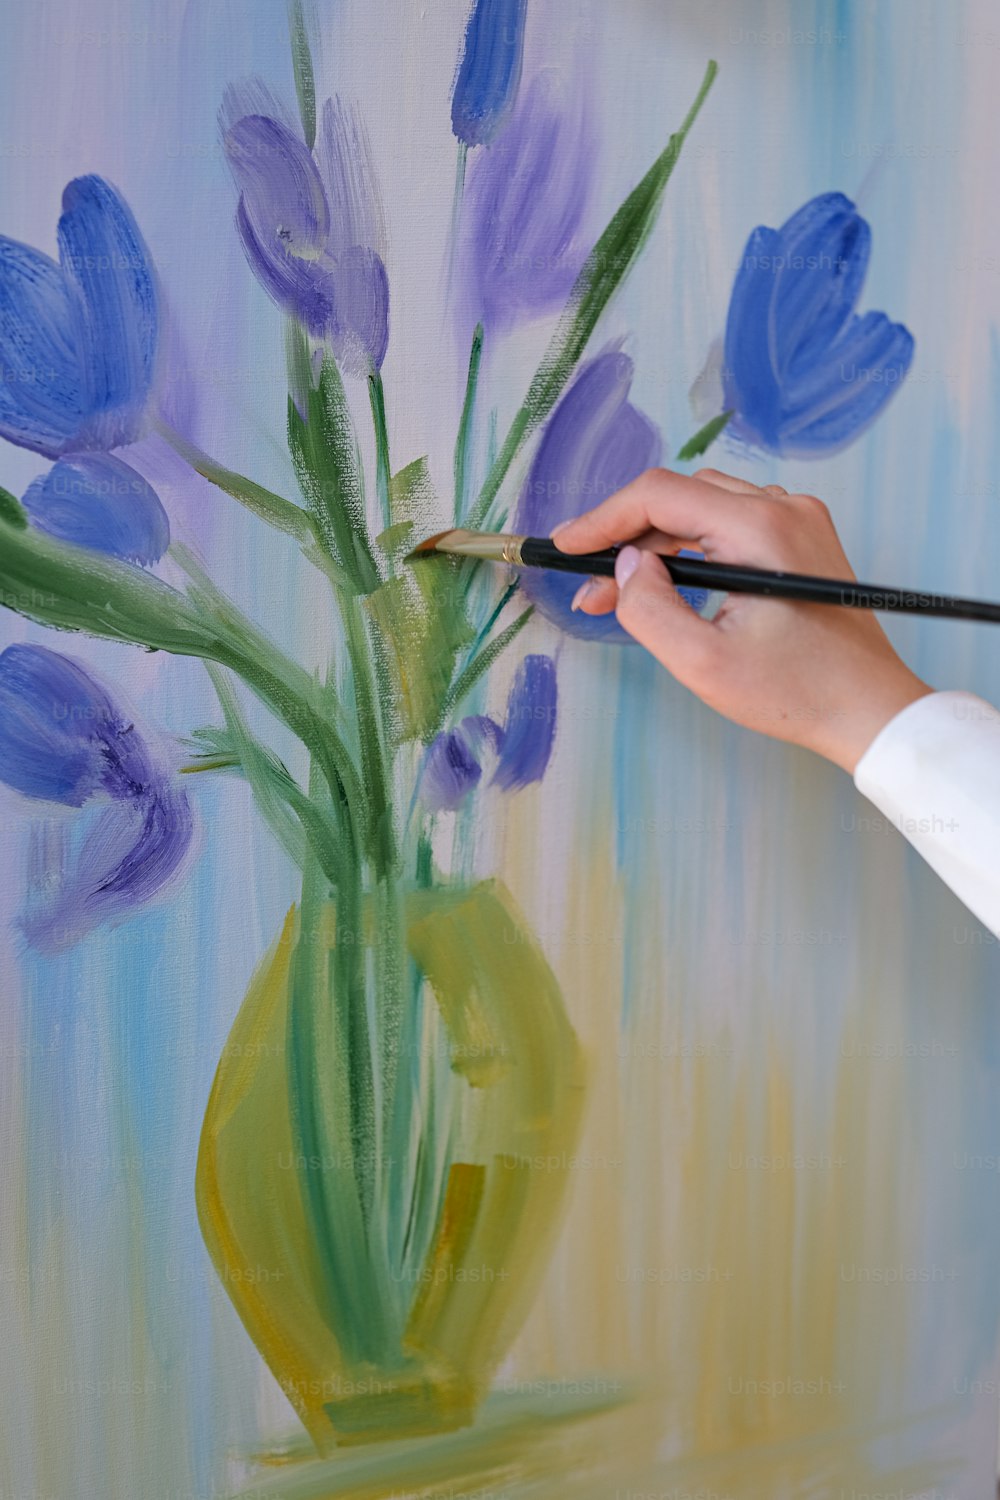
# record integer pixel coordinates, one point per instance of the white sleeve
(934, 771)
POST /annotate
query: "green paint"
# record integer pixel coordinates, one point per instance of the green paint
(305, 87)
(608, 263)
(704, 437)
(376, 395)
(366, 1333)
(463, 441)
(261, 502)
(12, 512)
(327, 464)
(480, 664)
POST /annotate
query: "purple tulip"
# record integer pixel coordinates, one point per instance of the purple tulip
(311, 225)
(64, 740)
(522, 746)
(524, 207)
(595, 442)
(78, 339)
(95, 500)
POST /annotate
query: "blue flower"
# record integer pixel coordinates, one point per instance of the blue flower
(522, 745)
(95, 500)
(489, 70)
(64, 740)
(803, 373)
(78, 339)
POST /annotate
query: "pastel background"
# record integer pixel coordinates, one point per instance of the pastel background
(777, 1275)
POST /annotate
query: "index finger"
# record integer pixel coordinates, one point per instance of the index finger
(693, 509)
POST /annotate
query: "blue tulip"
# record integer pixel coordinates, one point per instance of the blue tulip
(95, 500)
(489, 71)
(803, 373)
(64, 740)
(78, 339)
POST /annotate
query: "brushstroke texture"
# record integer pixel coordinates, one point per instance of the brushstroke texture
(803, 373)
(525, 207)
(63, 739)
(78, 341)
(595, 442)
(96, 500)
(522, 746)
(489, 70)
(311, 223)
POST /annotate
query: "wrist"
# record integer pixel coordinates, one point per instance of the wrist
(868, 715)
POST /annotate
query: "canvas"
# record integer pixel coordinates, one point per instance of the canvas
(440, 1057)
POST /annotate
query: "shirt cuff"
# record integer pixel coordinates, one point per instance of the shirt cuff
(934, 771)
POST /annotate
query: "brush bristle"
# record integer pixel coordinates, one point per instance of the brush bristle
(430, 545)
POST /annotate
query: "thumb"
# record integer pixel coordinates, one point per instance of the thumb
(657, 616)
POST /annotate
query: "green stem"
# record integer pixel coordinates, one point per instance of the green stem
(376, 393)
(456, 208)
(262, 502)
(704, 437)
(606, 267)
(372, 736)
(464, 440)
(305, 86)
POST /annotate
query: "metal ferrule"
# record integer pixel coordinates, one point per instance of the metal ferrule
(494, 546)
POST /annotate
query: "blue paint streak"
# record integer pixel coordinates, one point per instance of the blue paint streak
(489, 71)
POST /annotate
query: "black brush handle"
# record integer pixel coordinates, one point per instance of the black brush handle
(692, 572)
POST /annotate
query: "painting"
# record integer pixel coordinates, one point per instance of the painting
(439, 1056)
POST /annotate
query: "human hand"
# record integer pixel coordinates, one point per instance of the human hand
(825, 677)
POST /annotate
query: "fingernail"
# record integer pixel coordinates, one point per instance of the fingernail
(561, 527)
(625, 565)
(582, 593)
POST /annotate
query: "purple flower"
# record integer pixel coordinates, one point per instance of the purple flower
(522, 747)
(311, 226)
(803, 373)
(95, 500)
(595, 442)
(525, 202)
(64, 740)
(489, 71)
(78, 339)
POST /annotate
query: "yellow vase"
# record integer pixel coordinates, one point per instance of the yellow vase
(373, 1326)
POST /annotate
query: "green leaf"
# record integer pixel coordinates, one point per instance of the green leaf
(481, 663)
(73, 588)
(463, 442)
(420, 613)
(606, 267)
(264, 503)
(704, 437)
(327, 464)
(291, 815)
(12, 512)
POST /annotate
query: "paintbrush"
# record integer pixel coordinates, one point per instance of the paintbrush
(691, 572)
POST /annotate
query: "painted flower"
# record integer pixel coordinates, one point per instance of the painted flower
(803, 373)
(95, 500)
(595, 442)
(521, 746)
(521, 247)
(489, 70)
(311, 223)
(78, 338)
(64, 740)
